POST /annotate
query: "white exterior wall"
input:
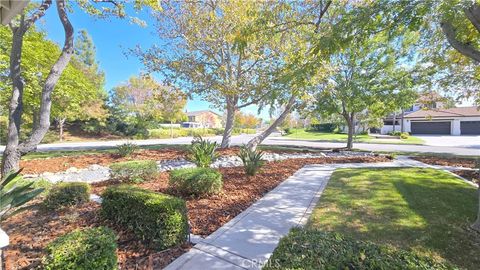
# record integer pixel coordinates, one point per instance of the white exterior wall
(389, 128)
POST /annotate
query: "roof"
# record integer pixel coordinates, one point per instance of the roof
(10, 8)
(195, 113)
(452, 112)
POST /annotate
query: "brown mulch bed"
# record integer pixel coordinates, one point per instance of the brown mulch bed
(447, 161)
(60, 164)
(473, 176)
(31, 231)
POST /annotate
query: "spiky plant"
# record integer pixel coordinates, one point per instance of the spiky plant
(251, 159)
(202, 152)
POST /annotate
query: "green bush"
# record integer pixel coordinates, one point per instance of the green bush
(66, 194)
(287, 131)
(154, 217)
(237, 131)
(404, 135)
(251, 159)
(126, 149)
(196, 181)
(135, 171)
(307, 249)
(202, 152)
(87, 249)
(51, 136)
(326, 127)
(395, 133)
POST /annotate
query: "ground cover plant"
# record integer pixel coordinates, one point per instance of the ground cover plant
(67, 194)
(134, 171)
(87, 249)
(196, 181)
(426, 210)
(32, 230)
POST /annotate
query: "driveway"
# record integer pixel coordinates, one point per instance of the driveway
(455, 141)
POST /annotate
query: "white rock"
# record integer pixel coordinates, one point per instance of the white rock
(4, 239)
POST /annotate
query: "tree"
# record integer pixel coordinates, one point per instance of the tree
(365, 78)
(243, 120)
(143, 100)
(210, 55)
(41, 123)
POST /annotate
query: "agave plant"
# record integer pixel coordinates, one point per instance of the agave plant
(202, 152)
(252, 160)
(15, 192)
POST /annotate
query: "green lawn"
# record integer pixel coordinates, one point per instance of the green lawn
(303, 134)
(426, 210)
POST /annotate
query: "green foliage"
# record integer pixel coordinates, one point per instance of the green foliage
(287, 131)
(67, 194)
(87, 249)
(15, 192)
(327, 127)
(126, 149)
(310, 249)
(154, 217)
(404, 135)
(134, 171)
(196, 181)
(202, 152)
(251, 159)
(163, 133)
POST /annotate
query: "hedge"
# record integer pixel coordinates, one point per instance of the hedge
(135, 171)
(66, 194)
(196, 181)
(310, 249)
(92, 248)
(156, 218)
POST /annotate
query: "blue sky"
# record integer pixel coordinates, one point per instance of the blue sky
(113, 38)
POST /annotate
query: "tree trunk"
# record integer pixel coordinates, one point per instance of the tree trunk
(253, 143)
(394, 122)
(61, 123)
(402, 126)
(476, 225)
(14, 150)
(227, 133)
(351, 129)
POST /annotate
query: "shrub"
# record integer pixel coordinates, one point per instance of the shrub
(196, 181)
(327, 127)
(66, 194)
(251, 159)
(135, 171)
(92, 248)
(155, 217)
(306, 249)
(404, 135)
(287, 131)
(395, 133)
(202, 152)
(126, 149)
(14, 193)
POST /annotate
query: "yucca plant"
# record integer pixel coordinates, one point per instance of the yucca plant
(15, 192)
(251, 159)
(202, 152)
(126, 149)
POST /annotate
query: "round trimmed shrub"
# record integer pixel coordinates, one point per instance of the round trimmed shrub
(157, 218)
(196, 181)
(67, 194)
(311, 249)
(87, 249)
(135, 171)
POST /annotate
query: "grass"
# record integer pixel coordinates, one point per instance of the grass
(426, 210)
(303, 134)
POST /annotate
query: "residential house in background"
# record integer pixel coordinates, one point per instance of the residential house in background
(203, 119)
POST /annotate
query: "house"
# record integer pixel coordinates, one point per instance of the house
(203, 119)
(438, 121)
(10, 8)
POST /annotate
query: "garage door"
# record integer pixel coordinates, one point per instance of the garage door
(430, 128)
(470, 127)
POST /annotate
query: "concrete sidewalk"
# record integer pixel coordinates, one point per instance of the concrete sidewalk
(248, 240)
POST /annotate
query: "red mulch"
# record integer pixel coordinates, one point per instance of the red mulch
(60, 164)
(473, 176)
(31, 231)
(447, 161)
